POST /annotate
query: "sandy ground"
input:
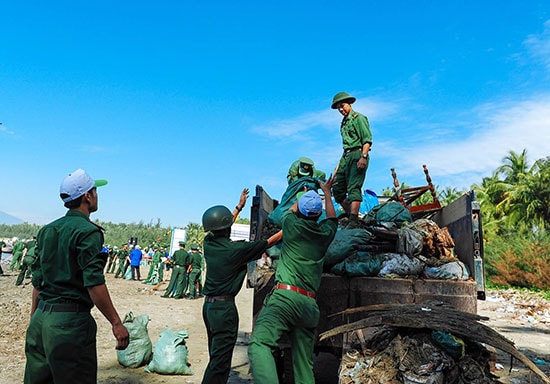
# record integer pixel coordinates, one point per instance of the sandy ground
(510, 315)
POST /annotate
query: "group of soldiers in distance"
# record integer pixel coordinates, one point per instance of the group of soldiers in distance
(184, 273)
(23, 255)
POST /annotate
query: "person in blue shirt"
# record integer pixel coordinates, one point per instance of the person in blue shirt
(135, 260)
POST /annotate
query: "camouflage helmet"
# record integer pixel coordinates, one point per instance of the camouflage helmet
(216, 218)
(342, 97)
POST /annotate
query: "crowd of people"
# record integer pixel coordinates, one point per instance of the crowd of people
(71, 260)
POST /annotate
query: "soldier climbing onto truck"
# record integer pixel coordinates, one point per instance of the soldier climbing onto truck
(291, 306)
(352, 168)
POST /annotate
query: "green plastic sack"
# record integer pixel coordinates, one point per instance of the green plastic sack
(170, 354)
(140, 349)
(359, 264)
(289, 198)
(343, 245)
(451, 344)
(390, 211)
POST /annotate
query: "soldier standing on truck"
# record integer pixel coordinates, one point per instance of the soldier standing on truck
(226, 269)
(291, 306)
(352, 168)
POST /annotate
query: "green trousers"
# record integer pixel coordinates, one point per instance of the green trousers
(348, 181)
(222, 326)
(178, 282)
(284, 311)
(194, 279)
(61, 348)
(121, 271)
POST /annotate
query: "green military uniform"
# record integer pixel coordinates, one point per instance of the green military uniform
(28, 261)
(195, 260)
(111, 261)
(2, 244)
(61, 337)
(349, 179)
(178, 280)
(226, 263)
(155, 269)
(17, 253)
(304, 167)
(300, 267)
(122, 263)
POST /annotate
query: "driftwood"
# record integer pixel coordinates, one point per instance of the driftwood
(437, 317)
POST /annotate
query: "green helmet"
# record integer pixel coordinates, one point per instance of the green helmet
(342, 97)
(216, 218)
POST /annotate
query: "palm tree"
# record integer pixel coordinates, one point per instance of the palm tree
(515, 165)
(195, 233)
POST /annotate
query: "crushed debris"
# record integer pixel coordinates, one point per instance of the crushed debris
(406, 350)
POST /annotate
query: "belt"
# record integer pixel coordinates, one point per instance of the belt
(348, 150)
(212, 299)
(295, 289)
(62, 307)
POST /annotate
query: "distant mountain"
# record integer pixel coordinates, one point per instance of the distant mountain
(9, 219)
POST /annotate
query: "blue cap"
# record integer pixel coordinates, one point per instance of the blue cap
(310, 204)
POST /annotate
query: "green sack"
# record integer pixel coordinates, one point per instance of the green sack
(170, 354)
(140, 349)
(289, 198)
(451, 344)
(359, 264)
(343, 245)
(390, 211)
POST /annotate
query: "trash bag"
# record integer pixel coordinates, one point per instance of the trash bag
(140, 349)
(451, 344)
(409, 242)
(390, 211)
(342, 246)
(359, 264)
(170, 354)
(128, 274)
(370, 200)
(401, 265)
(289, 197)
(455, 270)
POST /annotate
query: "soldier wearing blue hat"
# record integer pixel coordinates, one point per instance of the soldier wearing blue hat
(291, 306)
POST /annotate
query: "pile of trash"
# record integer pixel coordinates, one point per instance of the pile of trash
(387, 243)
(428, 343)
(526, 306)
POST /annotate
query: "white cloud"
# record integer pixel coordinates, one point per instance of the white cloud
(539, 45)
(501, 127)
(294, 128)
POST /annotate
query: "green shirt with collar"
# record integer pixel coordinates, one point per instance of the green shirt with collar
(226, 264)
(195, 259)
(181, 258)
(69, 259)
(303, 252)
(355, 130)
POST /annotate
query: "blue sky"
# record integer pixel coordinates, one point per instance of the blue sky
(182, 104)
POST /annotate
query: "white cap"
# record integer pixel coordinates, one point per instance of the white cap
(76, 184)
